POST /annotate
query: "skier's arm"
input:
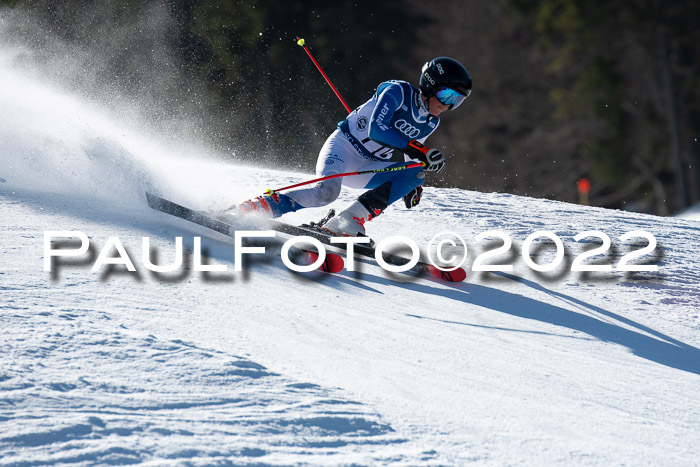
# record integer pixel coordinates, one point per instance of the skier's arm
(390, 99)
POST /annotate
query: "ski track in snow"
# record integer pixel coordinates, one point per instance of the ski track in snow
(78, 385)
(269, 367)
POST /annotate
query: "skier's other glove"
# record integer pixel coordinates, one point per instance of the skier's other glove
(430, 157)
(413, 198)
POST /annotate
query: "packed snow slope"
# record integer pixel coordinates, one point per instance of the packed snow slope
(270, 367)
(692, 212)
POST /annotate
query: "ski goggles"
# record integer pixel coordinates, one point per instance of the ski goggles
(448, 96)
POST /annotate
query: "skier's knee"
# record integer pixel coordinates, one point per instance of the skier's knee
(328, 191)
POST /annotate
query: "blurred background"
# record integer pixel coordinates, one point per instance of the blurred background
(567, 93)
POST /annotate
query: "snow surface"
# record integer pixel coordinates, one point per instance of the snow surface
(692, 213)
(270, 367)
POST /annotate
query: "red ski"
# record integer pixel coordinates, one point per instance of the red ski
(333, 263)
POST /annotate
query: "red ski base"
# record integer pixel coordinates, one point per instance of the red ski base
(458, 275)
(333, 263)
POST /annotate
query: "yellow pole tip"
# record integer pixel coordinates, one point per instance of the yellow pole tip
(301, 42)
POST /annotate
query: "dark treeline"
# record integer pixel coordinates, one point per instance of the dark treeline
(563, 89)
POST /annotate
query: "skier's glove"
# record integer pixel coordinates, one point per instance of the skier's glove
(430, 157)
(413, 198)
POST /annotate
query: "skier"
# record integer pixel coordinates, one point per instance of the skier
(399, 116)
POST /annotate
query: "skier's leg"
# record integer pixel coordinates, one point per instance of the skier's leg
(336, 156)
(321, 194)
(385, 188)
(388, 187)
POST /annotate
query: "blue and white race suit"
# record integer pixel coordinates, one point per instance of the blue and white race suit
(365, 140)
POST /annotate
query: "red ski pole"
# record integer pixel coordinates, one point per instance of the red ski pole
(302, 43)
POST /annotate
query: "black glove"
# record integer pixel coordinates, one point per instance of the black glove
(413, 198)
(430, 157)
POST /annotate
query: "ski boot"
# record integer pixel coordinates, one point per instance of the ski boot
(270, 205)
(349, 223)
